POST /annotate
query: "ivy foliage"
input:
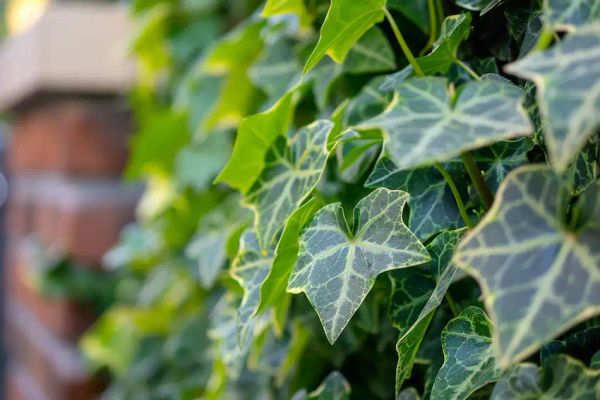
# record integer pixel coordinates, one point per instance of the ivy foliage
(369, 199)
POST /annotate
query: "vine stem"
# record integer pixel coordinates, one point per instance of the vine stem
(459, 202)
(403, 45)
(468, 69)
(452, 304)
(475, 173)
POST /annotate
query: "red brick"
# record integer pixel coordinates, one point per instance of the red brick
(70, 137)
(65, 318)
(20, 385)
(56, 366)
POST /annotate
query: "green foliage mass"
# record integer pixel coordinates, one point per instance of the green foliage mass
(360, 200)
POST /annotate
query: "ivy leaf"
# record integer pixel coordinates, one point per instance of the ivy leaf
(409, 394)
(585, 170)
(249, 269)
(522, 382)
(455, 30)
(425, 124)
(345, 23)
(577, 344)
(469, 361)
(568, 88)
(334, 387)
(539, 277)
(274, 288)
(432, 205)
(255, 136)
(416, 296)
(369, 102)
(479, 5)
(567, 15)
(293, 168)
(337, 267)
(562, 377)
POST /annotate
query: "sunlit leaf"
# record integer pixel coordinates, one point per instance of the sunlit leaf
(255, 137)
(568, 89)
(538, 274)
(345, 23)
(296, 7)
(425, 123)
(337, 267)
(293, 168)
(469, 361)
(567, 15)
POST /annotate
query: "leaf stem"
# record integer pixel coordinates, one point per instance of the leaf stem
(468, 69)
(452, 304)
(403, 45)
(459, 202)
(545, 39)
(475, 174)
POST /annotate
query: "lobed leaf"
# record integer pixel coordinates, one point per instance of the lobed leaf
(293, 169)
(425, 123)
(469, 361)
(479, 5)
(568, 90)
(539, 276)
(567, 15)
(337, 267)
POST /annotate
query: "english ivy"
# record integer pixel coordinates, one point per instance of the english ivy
(424, 181)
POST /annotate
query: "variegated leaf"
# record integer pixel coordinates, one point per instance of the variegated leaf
(567, 15)
(539, 274)
(432, 205)
(479, 5)
(426, 123)
(293, 168)
(568, 90)
(416, 296)
(337, 266)
(334, 387)
(250, 269)
(562, 378)
(469, 361)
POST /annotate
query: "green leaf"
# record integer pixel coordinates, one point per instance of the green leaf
(274, 288)
(432, 205)
(563, 378)
(255, 137)
(249, 269)
(416, 296)
(479, 5)
(337, 267)
(538, 275)
(567, 15)
(585, 170)
(345, 23)
(469, 361)
(279, 7)
(198, 164)
(372, 53)
(334, 387)
(425, 123)
(568, 89)
(409, 394)
(369, 102)
(522, 382)
(293, 169)
(577, 344)
(455, 30)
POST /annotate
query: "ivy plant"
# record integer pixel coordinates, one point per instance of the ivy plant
(370, 199)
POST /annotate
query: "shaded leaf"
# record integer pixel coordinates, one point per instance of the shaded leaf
(425, 124)
(337, 266)
(568, 90)
(538, 276)
(345, 23)
(469, 361)
(415, 10)
(432, 205)
(334, 387)
(479, 5)
(293, 168)
(522, 382)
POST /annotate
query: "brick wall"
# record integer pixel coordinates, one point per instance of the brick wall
(65, 159)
